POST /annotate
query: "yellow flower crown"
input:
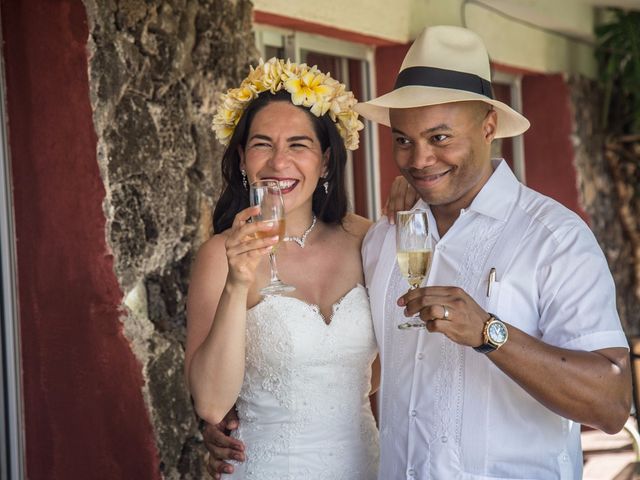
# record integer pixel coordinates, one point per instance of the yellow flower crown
(308, 87)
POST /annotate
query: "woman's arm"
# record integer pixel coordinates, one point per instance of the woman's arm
(223, 272)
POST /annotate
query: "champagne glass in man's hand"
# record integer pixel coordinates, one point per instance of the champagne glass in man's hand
(413, 251)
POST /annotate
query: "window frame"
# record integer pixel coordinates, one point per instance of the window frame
(12, 447)
(514, 82)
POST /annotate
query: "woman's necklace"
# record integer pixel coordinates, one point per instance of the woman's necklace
(302, 238)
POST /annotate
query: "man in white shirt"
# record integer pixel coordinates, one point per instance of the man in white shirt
(522, 341)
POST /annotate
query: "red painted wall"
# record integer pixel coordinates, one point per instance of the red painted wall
(549, 155)
(388, 62)
(84, 412)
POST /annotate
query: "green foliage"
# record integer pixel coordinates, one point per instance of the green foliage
(618, 55)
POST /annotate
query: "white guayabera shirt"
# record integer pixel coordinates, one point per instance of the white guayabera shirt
(446, 412)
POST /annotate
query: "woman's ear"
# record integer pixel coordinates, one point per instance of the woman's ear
(325, 162)
(241, 155)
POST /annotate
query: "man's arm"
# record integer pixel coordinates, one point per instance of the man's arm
(593, 388)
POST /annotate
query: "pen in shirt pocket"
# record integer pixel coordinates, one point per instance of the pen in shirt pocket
(491, 280)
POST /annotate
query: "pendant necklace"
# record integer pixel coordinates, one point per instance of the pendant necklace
(302, 238)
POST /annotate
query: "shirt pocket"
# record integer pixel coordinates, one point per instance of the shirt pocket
(515, 306)
(492, 302)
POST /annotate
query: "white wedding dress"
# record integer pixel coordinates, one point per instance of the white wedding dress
(304, 406)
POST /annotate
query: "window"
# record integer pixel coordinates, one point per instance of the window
(508, 89)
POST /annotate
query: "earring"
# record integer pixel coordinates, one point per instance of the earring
(245, 184)
(326, 187)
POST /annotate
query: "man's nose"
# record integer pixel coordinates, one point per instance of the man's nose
(424, 155)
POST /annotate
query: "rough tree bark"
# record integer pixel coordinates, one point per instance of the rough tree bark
(609, 184)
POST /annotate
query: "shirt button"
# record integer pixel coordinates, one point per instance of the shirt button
(411, 472)
(442, 248)
(420, 356)
(444, 439)
(413, 413)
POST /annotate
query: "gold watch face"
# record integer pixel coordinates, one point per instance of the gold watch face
(497, 332)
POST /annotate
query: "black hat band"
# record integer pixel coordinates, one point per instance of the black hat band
(439, 77)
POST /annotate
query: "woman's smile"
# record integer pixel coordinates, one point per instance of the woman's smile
(286, 184)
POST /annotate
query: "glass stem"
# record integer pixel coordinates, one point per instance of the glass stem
(274, 267)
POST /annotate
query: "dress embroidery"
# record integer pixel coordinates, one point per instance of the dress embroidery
(304, 407)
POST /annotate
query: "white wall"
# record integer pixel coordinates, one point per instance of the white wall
(508, 42)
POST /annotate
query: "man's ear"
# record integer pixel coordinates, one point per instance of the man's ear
(490, 125)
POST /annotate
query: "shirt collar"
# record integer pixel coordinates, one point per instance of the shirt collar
(497, 195)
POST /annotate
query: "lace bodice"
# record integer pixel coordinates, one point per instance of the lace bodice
(304, 408)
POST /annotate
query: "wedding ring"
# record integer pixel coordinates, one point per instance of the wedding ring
(445, 316)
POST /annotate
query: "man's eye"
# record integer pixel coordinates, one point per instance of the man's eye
(439, 138)
(402, 141)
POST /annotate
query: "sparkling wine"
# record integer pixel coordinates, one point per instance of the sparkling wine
(279, 228)
(414, 265)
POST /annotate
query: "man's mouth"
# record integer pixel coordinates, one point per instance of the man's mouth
(286, 184)
(428, 180)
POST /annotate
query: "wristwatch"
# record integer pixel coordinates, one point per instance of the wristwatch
(494, 335)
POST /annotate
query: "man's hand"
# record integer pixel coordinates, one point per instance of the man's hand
(464, 320)
(401, 197)
(221, 446)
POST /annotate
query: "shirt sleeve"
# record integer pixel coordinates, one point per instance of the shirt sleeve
(577, 294)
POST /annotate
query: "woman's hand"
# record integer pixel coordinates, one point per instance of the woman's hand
(245, 248)
(401, 197)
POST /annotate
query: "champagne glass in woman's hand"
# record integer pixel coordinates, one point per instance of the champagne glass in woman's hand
(413, 251)
(266, 194)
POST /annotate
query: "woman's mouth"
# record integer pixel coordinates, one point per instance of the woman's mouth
(286, 184)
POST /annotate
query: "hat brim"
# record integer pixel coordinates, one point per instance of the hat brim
(510, 122)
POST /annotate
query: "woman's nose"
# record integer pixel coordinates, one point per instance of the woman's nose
(279, 159)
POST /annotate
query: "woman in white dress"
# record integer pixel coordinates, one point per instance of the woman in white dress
(298, 367)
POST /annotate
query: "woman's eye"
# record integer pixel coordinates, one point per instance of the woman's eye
(298, 145)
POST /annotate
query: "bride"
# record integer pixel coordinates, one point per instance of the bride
(298, 367)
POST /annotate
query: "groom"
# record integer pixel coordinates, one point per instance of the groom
(522, 341)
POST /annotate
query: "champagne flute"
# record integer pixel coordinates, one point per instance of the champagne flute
(413, 251)
(266, 194)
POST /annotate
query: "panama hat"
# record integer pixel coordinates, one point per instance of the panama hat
(445, 64)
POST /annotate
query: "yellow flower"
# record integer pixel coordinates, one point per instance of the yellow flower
(243, 94)
(309, 89)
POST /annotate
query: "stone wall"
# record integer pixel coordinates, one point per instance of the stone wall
(156, 70)
(608, 186)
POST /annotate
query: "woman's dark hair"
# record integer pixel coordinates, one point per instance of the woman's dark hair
(329, 207)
